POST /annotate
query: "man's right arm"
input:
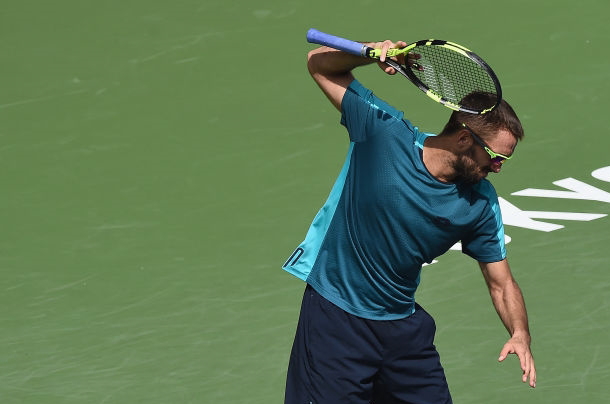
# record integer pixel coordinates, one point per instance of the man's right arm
(332, 69)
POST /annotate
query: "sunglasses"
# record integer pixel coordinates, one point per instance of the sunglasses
(496, 158)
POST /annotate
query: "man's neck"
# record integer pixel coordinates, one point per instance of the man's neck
(438, 159)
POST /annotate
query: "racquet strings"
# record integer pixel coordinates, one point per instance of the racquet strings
(450, 74)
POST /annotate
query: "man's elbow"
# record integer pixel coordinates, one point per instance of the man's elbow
(313, 61)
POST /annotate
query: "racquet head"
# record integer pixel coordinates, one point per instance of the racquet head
(448, 73)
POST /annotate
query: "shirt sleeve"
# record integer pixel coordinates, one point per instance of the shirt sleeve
(361, 112)
(486, 241)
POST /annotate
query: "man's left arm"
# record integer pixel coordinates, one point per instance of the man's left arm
(508, 301)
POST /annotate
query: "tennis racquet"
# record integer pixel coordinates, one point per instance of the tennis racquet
(445, 71)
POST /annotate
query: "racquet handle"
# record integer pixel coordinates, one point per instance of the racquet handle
(335, 42)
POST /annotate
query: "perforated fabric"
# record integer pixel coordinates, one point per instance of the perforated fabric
(387, 215)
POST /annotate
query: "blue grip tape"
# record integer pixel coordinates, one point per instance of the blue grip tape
(345, 45)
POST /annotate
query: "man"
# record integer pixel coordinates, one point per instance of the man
(402, 198)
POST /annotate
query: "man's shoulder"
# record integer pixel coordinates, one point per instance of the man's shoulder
(486, 189)
(358, 93)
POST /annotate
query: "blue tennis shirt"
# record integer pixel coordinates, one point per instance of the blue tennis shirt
(386, 216)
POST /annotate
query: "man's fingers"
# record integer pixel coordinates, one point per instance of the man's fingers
(530, 371)
(526, 362)
(386, 45)
(504, 353)
(533, 375)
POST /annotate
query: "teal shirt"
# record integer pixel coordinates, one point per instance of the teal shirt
(387, 215)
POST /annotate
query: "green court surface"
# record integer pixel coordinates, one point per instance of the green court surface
(160, 160)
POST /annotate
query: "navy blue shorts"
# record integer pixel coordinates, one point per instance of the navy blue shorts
(340, 358)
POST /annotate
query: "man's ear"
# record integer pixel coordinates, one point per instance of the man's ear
(463, 140)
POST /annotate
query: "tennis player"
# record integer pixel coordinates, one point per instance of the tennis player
(402, 198)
